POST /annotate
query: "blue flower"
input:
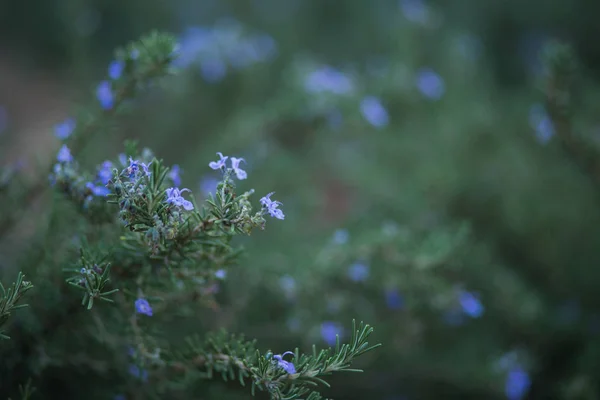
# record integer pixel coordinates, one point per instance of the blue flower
(393, 299)
(329, 332)
(115, 69)
(235, 164)
(64, 155)
(141, 374)
(174, 197)
(143, 307)
(213, 70)
(374, 112)
(105, 95)
(221, 274)
(341, 236)
(65, 129)
(208, 185)
(358, 272)
(328, 79)
(272, 206)
(134, 167)
(517, 383)
(288, 285)
(430, 84)
(470, 304)
(287, 366)
(414, 10)
(540, 122)
(218, 164)
(105, 172)
(100, 191)
(174, 175)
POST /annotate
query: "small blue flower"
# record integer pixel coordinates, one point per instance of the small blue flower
(213, 70)
(393, 299)
(64, 155)
(174, 197)
(430, 84)
(174, 175)
(414, 10)
(540, 122)
(208, 185)
(287, 366)
(65, 129)
(218, 164)
(272, 206)
(123, 159)
(115, 69)
(100, 191)
(134, 167)
(358, 272)
(341, 236)
(288, 285)
(374, 112)
(517, 383)
(105, 95)
(141, 374)
(328, 79)
(470, 304)
(105, 172)
(143, 307)
(235, 164)
(221, 274)
(135, 53)
(329, 331)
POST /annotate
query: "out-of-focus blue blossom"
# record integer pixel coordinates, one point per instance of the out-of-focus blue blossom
(358, 272)
(374, 112)
(208, 185)
(141, 374)
(3, 119)
(288, 285)
(213, 70)
(222, 45)
(218, 164)
(328, 79)
(115, 69)
(105, 95)
(143, 307)
(64, 129)
(430, 84)
(272, 206)
(540, 122)
(105, 172)
(341, 236)
(174, 197)
(329, 330)
(235, 165)
(175, 175)
(123, 159)
(414, 10)
(100, 191)
(394, 299)
(517, 383)
(287, 366)
(221, 274)
(64, 155)
(470, 304)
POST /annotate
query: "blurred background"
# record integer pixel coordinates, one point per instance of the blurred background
(424, 189)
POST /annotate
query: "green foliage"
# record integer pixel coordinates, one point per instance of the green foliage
(9, 299)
